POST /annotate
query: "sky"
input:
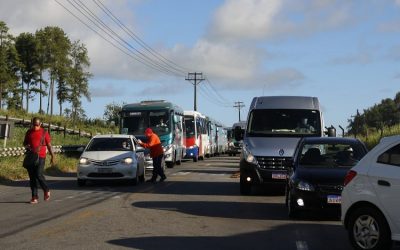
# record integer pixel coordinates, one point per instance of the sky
(346, 53)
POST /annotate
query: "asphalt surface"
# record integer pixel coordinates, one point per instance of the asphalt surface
(198, 207)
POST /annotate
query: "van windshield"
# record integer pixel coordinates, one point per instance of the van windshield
(284, 122)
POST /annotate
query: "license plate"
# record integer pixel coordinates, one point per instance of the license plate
(104, 170)
(334, 199)
(279, 176)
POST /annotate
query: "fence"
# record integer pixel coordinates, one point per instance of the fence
(50, 127)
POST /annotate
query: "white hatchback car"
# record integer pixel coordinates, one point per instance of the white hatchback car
(112, 156)
(371, 197)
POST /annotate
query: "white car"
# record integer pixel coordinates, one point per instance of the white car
(111, 156)
(371, 197)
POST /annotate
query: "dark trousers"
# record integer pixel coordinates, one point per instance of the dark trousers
(36, 176)
(157, 167)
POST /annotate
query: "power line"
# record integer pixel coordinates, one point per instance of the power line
(120, 45)
(138, 39)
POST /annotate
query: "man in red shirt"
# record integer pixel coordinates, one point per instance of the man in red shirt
(33, 142)
(156, 153)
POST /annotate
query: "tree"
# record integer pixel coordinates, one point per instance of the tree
(78, 79)
(58, 46)
(7, 77)
(43, 59)
(27, 50)
(112, 113)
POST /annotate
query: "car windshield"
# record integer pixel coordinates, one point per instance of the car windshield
(110, 144)
(284, 122)
(330, 155)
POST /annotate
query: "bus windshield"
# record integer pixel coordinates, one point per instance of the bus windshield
(284, 122)
(190, 128)
(136, 122)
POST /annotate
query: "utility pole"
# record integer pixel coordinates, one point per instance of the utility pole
(239, 105)
(195, 78)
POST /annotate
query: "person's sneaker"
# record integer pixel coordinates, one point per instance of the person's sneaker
(163, 179)
(34, 200)
(47, 195)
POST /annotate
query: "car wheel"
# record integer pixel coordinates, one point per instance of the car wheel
(292, 211)
(81, 182)
(195, 158)
(169, 164)
(245, 187)
(142, 178)
(368, 229)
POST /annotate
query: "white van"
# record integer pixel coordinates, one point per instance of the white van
(275, 125)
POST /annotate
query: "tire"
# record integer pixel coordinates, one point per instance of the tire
(134, 181)
(374, 228)
(169, 164)
(81, 182)
(195, 158)
(291, 208)
(142, 178)
(245, 187)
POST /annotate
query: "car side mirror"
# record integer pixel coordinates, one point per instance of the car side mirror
(80, 149)
(139, 149)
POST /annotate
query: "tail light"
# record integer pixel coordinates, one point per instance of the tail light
(349, 176)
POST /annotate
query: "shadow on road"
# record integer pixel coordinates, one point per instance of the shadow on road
(236, 210)
(288, 236)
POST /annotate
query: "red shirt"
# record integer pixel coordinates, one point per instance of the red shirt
(33, 138)
(154, 144)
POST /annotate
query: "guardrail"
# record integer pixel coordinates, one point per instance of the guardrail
(17, 151)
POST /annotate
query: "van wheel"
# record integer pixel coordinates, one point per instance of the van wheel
(245, 187)
(368, 229)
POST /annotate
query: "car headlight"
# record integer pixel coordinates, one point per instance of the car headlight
(128, 160)
(305, 186)
(249, 157)
(83, 161)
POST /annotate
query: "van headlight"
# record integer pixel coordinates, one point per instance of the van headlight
(249, 157)
(128, 160)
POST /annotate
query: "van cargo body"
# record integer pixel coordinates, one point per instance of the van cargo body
(275, 125)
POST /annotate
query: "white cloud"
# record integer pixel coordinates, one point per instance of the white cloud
(245, 18)
(263, 19)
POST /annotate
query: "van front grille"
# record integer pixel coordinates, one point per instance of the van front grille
(272, 162)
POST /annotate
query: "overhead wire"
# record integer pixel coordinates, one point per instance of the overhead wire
(148, 48)
(96, 21)
(149, 57)
(120, 46)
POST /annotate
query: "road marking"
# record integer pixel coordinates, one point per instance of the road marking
(301, 245)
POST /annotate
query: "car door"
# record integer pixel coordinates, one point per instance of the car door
(384, 174)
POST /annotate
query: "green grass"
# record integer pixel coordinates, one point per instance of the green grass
(374, 136)
(11, 167)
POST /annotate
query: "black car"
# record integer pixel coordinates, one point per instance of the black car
(316, 174)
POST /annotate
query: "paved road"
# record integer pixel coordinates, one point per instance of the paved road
(198, 207)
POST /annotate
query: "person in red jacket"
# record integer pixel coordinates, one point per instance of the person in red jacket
(156, 153)
(33, 142)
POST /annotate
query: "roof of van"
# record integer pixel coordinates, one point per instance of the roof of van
(285, 102)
